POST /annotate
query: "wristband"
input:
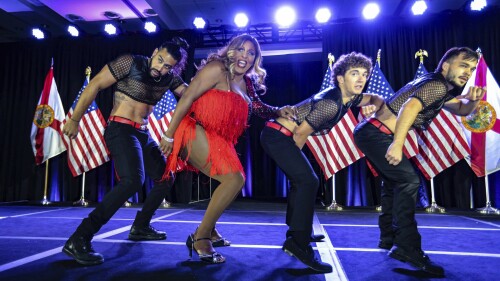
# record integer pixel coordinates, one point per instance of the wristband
(73, 120)
(167, 138)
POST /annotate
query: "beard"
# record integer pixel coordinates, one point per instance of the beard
(153, 71)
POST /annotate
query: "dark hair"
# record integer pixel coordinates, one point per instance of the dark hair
(177, 48)
(345, 62)
(454, 52)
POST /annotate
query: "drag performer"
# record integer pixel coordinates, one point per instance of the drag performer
(283, 140)
(382, 137)
(141, 83)
(211, 115)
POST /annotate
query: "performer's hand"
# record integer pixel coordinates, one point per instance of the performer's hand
(166, 147)
(394, 154)
(368, 110)
(475, 93)
(70, 129)
(287, 112)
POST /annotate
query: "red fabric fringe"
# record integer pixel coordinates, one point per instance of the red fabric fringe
(224, 116)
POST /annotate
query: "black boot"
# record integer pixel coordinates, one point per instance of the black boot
(416, 258)
(305, 255)
(146, 233)
(80, 249)
(142, 230)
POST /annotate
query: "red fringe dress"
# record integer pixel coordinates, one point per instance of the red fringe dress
(224, 116)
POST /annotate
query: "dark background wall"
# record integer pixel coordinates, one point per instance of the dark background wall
(291, 79)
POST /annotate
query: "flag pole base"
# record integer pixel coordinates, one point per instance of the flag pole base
(165, 204)
(44, 201)
(434, 208)
(334, 207)
(82, 202)
(488, 210)
(378, 208)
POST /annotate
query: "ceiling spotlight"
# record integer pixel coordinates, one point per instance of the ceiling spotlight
(285, 16)
(73, 31)
(478, 5)
(241, 20)
(419, 7)
(371, 11)
(323, 15)
(38, 33)
(150, 27)
(110, 29)
(199, 23)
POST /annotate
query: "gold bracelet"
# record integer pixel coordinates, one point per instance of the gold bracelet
(73, 120)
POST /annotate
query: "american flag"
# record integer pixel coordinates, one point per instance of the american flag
(88, 150)
(378, 85)
(161, 116)
(335, 150)
(442, 144)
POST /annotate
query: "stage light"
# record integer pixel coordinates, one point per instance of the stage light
(38, 33)
(110, 29)
(323, 15)
(371, 11)
(73, 31)
(285, 16)
(478, 5)
(150, 27)
(419, 7)
(199, 23)
(241, 20)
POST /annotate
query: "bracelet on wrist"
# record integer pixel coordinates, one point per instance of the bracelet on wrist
(73, 120)
(167, 139)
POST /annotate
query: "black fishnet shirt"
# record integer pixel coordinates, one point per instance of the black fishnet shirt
(430, 89)
(324, 110)
(132, 74)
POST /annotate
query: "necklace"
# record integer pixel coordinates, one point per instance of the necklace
(159, 79)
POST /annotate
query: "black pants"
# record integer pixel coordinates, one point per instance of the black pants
(134, 153)
(401, 182)
(303, 180)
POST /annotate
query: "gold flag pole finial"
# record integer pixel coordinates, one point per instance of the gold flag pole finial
(420, 54)
(479, 52)
(331, 59)
(88, 70)
(378, 56)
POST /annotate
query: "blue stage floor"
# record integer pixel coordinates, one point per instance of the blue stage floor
(31, 237)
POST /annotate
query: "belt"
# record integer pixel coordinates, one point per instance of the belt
(383, 128)
(280, 128)
(128, 122)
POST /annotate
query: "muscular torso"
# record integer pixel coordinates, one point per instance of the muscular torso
(386, 116)
(126, 107)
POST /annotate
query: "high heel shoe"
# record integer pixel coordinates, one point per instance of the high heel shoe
(206, 257)
(219, 242)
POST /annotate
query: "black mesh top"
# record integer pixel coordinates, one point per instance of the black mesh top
(132, 74)
(324, 110)
(430, 89)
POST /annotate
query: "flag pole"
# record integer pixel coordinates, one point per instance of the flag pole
(334, 206)
(82, 201)
(488, 209)
(44, 200)
(434, 208)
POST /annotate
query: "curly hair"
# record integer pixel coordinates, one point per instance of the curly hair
(226, 56)
(177, 48)
(348, 61)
